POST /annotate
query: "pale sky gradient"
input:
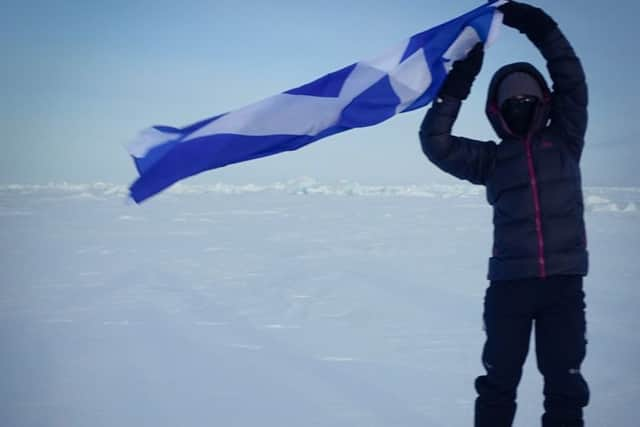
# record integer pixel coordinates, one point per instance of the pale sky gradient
(79, 79)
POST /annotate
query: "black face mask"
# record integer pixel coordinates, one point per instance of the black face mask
(518, 113)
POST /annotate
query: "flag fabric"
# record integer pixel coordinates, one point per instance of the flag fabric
(363, 94)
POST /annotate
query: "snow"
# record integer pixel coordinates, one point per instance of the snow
(287, 304)
(594, 196)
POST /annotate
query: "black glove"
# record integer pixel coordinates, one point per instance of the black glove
(461, 77)
(531, 21)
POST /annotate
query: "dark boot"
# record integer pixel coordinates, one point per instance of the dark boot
(548, 422)
(494, 407)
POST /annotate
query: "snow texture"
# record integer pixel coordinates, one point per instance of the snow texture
(291, 304)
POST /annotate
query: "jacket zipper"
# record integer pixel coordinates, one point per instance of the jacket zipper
(536, 203)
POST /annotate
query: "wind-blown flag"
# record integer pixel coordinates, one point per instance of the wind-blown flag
(363, 94)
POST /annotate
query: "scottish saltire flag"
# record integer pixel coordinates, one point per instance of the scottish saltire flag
(363, 94)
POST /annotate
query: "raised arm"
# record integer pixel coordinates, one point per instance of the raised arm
(570, 96)
(461, 157)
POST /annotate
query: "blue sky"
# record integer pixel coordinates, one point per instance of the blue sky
(79, 79)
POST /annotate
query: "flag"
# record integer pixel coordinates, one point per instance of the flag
(362, 94)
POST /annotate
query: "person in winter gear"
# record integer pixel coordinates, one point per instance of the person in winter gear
(533, 182)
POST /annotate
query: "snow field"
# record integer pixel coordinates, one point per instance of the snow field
(289, 304)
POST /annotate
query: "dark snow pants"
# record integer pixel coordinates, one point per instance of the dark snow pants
(556, 306)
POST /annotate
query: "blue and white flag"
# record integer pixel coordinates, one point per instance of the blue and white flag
(362, 94)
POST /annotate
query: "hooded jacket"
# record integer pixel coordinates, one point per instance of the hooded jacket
(532, 182)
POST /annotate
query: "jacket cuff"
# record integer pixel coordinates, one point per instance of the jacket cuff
(448, 105)
(443, 107)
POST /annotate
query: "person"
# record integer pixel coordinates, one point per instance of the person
(533, 182)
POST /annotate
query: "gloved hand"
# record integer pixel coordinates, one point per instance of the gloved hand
(461, 77)
(531, 21)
